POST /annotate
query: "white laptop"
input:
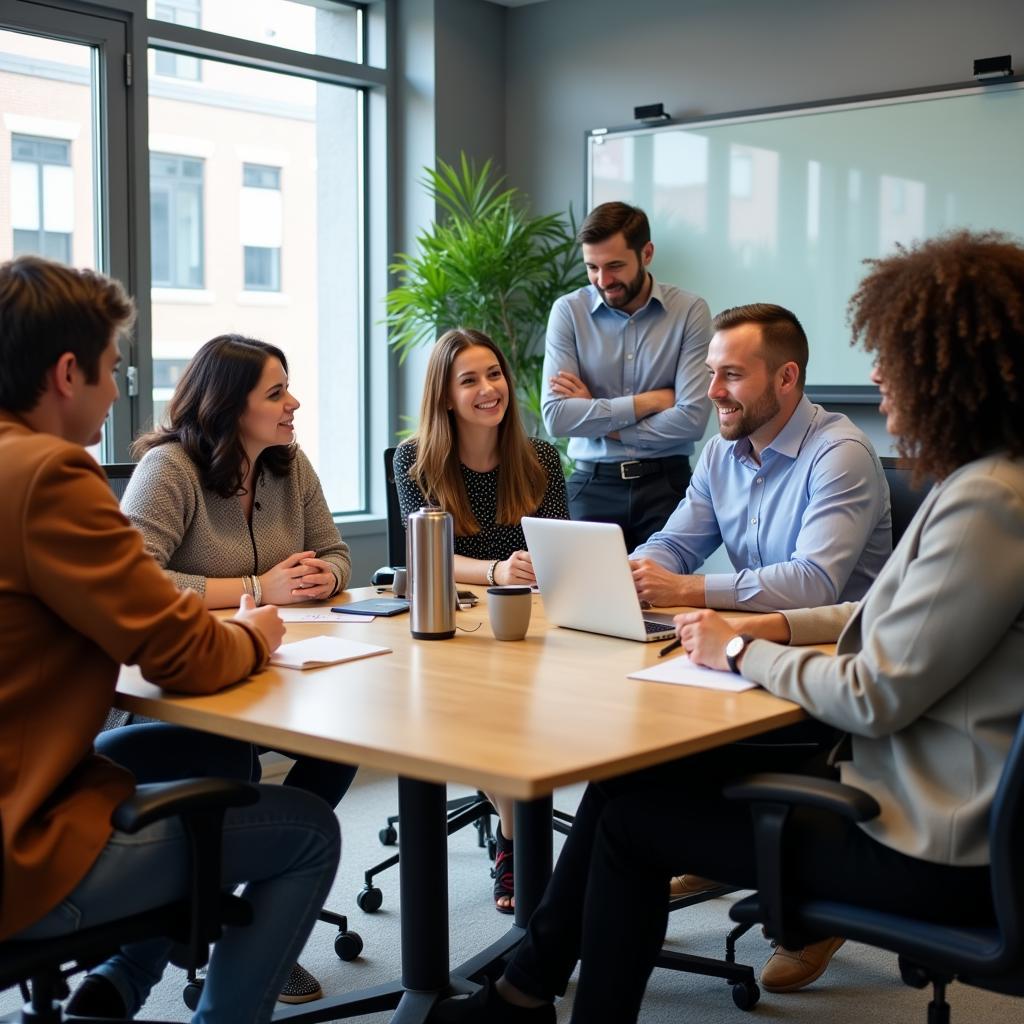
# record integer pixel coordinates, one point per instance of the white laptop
(584, 577)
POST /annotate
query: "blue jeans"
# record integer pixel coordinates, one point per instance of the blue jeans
(285, 848)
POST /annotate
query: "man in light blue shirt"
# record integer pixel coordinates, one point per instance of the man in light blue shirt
(796, 493)
(625, 379)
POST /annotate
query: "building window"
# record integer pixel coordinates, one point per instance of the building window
(176, 220)
(42, 197)
(261, 227)
(176, 65)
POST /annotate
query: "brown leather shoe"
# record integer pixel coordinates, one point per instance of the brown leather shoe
(787, 970)
(689, 885)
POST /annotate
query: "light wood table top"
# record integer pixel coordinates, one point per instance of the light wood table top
(520, 718)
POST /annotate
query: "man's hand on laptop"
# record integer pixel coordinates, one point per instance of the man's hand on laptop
(664, 589)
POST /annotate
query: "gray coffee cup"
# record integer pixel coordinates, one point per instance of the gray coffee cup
(400, 583)
(509, 611)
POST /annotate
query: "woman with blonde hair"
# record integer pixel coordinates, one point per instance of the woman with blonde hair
(472, 457)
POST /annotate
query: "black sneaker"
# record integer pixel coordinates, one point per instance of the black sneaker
(301, 987)
(97, 997)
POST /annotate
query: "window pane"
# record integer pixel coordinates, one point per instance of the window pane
(49, 91)
(295, 26)
(49, 160)
(176, 222)
(256, 228)
(262, 268)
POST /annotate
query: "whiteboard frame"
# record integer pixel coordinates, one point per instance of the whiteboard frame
(828, 394)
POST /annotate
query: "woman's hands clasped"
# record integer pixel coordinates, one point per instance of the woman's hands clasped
(299, 577)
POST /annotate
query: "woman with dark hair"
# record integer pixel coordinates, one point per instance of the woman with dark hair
(925, 676)
(471, 457)
(228, 504)
(226, 500)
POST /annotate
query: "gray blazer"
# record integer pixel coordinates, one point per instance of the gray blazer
(194, 533)
(929, 671)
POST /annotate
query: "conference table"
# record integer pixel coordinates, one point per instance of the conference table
(519, 718)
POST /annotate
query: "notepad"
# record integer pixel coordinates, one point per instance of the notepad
(323, 650)
(319, 615)
(683, 672)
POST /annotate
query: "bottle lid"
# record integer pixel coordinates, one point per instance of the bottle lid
(514, 588)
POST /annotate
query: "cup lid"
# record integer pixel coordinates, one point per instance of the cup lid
(510, 590)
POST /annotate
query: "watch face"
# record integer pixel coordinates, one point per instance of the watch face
(734, 646)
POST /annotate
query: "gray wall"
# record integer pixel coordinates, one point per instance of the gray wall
(580, 64)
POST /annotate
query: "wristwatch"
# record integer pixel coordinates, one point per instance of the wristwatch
(734, 648)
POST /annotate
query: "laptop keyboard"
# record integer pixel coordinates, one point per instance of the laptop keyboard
(655, 627)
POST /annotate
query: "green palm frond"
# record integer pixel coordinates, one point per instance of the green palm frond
(484, 263)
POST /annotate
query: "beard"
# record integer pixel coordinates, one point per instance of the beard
(752, 417)
(631, 290)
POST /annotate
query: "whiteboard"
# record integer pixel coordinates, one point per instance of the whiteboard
(783, 206)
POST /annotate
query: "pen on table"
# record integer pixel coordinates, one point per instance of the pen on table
(669, 648)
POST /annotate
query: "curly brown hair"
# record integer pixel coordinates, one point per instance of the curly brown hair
(945, 319)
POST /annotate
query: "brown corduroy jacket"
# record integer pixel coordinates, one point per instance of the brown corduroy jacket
(79, 597)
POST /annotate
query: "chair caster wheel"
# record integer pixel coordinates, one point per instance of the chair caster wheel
(348, 945)
(492, 847)
(387, 836)
(745, 995)
(370, 899)
(191, 992)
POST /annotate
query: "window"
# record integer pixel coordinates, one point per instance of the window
(42, 197)
(272, 191)
(261, 227)
(176, 65)
(260, 117)
(176, 220)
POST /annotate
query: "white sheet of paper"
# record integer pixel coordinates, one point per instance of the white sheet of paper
(683, 672)
(320, 615)
(323, 650)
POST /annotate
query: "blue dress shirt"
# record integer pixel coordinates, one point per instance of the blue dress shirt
(664, 344)
(809, 526)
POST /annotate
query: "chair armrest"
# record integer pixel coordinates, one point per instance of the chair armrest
(772, 796)
(201, 805)
(186, 797)
(805, 791)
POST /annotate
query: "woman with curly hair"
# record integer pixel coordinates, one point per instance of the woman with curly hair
(228, 504)
(471, 456)
(925, 676)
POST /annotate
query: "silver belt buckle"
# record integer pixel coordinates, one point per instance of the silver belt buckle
(622, 470)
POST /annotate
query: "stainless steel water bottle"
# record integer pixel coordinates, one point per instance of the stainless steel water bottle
(431, 574)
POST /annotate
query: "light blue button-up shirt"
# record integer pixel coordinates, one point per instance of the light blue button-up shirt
(808, 526)
(664, 344)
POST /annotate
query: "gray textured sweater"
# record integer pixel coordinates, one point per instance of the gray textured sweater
(194, 533)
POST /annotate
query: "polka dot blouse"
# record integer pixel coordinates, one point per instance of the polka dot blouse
(493, 540)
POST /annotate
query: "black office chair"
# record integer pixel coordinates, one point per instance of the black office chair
(989, 956)
(41, 966)
(473, 810)
(904, 498)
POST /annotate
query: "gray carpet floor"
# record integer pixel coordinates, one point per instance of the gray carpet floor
(860, 985)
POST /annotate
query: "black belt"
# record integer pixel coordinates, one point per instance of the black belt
(633, 469)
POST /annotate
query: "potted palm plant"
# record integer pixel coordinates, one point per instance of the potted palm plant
(487, 263)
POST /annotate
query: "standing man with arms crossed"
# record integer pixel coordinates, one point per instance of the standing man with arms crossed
(625, 378)
(79, 597)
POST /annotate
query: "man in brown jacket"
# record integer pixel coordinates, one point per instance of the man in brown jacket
(78, 598)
